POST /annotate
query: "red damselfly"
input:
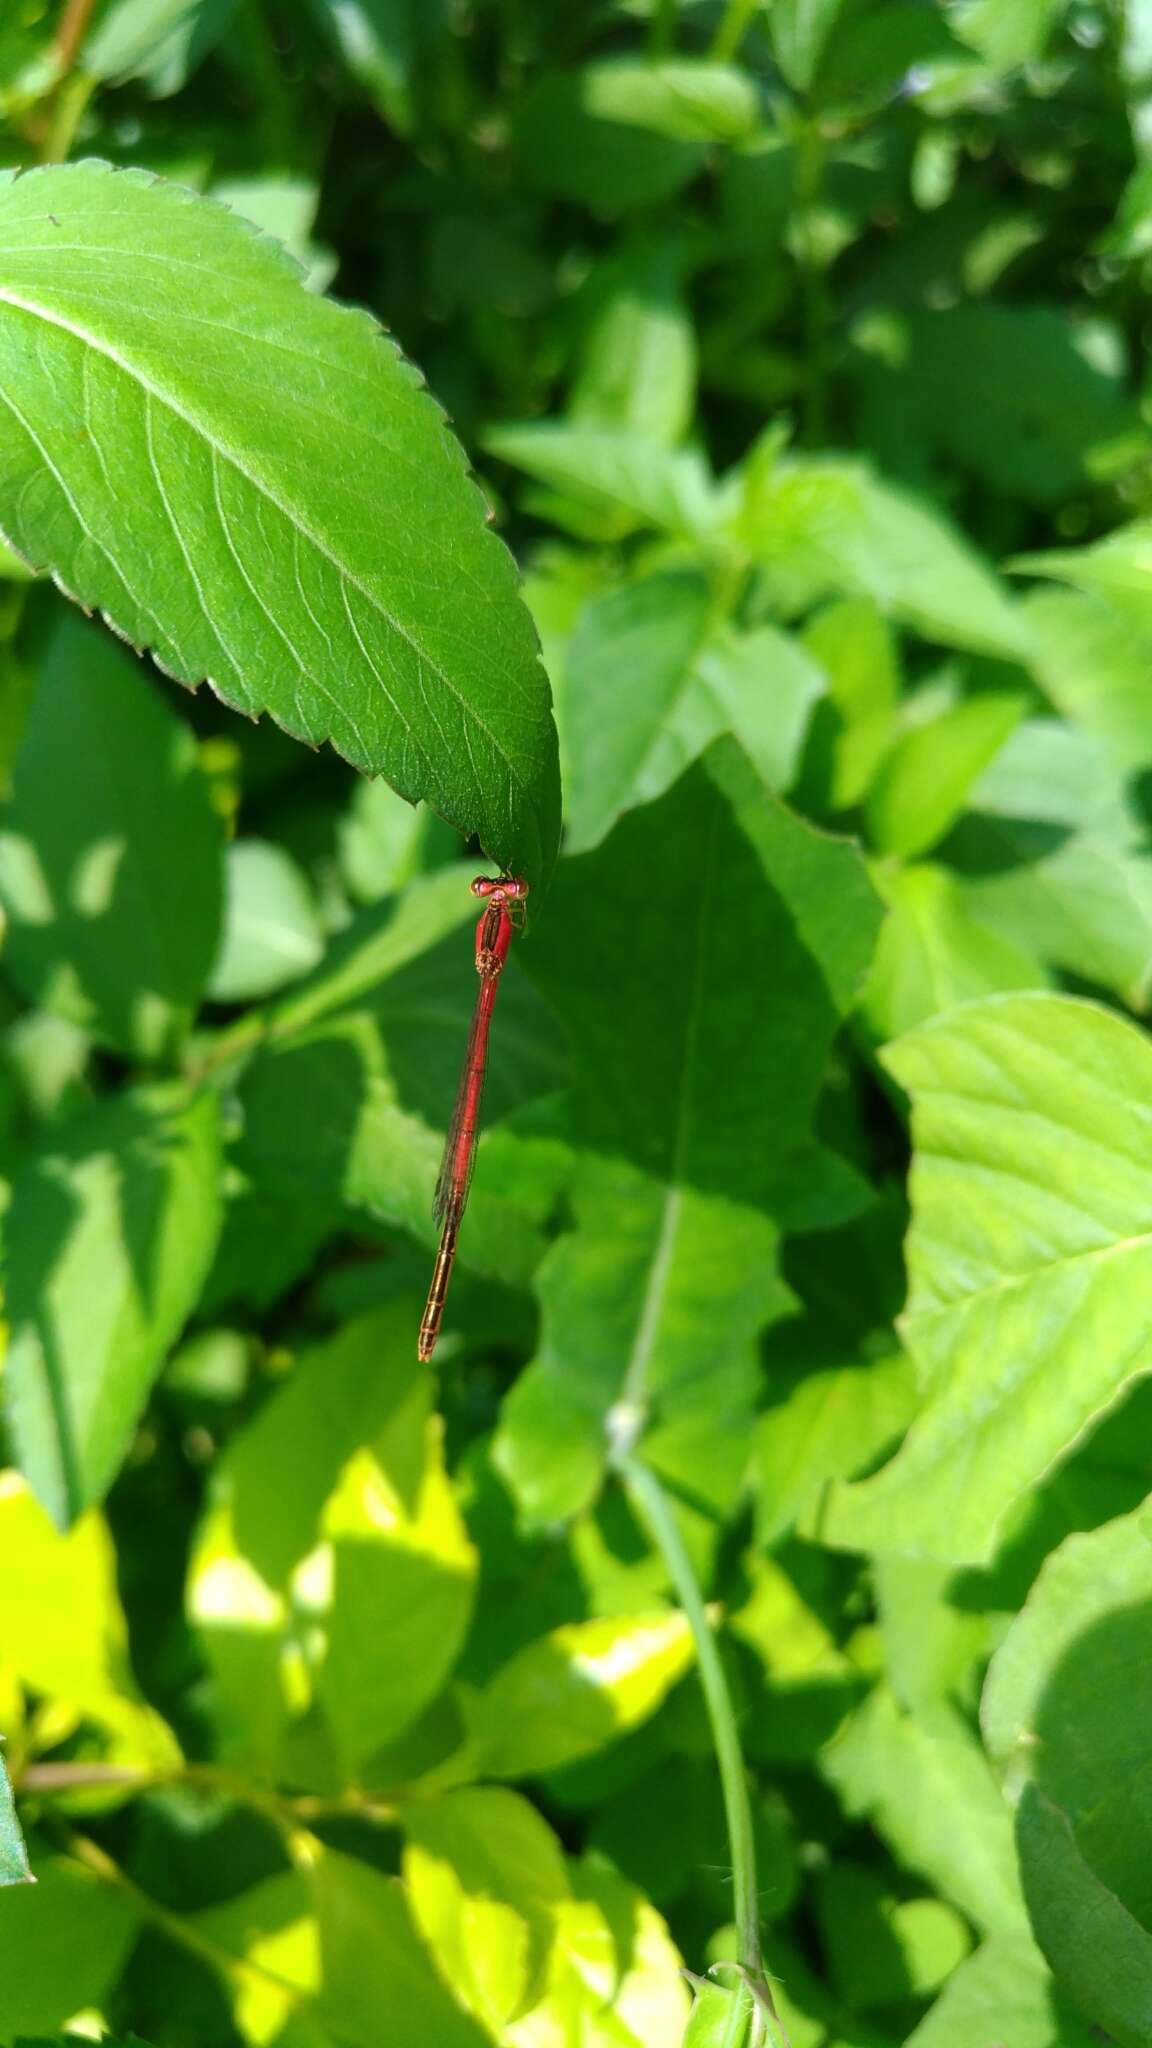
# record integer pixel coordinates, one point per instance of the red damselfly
(503, 910)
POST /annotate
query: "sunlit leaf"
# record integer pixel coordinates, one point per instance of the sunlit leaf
(112, 1228)
(110, 825)
(237, 544)
(1028, 1256)
(575, 1690)
(486, 1879)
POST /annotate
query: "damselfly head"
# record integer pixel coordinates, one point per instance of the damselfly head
(500, 888)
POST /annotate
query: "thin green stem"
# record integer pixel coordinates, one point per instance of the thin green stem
(735, 22)
(654, 1505)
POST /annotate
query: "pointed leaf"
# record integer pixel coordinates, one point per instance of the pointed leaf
(110, 1235)
(110, 824)
(1030, 1259)
(251, 482)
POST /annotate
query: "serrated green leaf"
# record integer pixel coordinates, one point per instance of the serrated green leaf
(110, 824)
(13, 1855)
(1028, 1256)
(109, 1238)
(398, 637)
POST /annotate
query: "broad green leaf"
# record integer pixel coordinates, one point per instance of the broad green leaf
(63, 1629)
(13, 1855)
(1063, 1716)
(637, 363)
(799, 30)
(1003, 1992)
(272, 933)
(486, 1879)
(924, 781)
(616, 1979)
(159, 41)
(402, 1578)
(1028, 1259)
(852, 644)
(284, 207)
(930, 1794)
(935, 1645)
(880, 1949)
(807, 1685)
(1092, 660)
(382, 841)
(331, 1515)
(620, 470)
(732, 938)
(1007, 32)
(109, 1238)
(110, 825)
(653, 680)
(66, 1939)
(1118, 567)
(249, 540)
(575, 1690)
(1083, 903)
(1100, 1950)
(934, 952)
(332, 1950)
(622, 132)
(1023, 396)
(828, 527)
(383, 43)
(828, 1427)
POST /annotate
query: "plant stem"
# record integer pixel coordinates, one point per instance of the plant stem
(734, 25)
(655, 1506)
(70, 34)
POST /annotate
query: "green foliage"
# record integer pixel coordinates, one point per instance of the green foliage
(740, 1637)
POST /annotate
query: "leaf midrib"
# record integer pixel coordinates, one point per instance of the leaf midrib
(148, 387)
